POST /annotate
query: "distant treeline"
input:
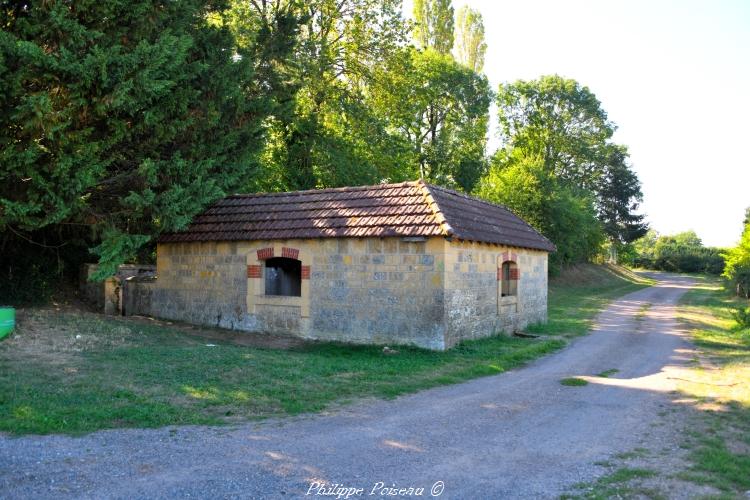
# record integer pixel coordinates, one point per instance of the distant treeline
(683, 252)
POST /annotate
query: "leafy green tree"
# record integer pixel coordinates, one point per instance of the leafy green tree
(564, 215)
(125, 118)
(470, 46)
(434, 25)
(563, 123)
(559, 121)
(440, 108)
(326, 135)
(737, 268)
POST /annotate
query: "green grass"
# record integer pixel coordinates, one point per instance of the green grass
(620, 483)
(72, 373)
(719, 441)
(607, 373)
(574, 382)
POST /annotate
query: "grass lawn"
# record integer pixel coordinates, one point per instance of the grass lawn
(719, 441)
(73, 372)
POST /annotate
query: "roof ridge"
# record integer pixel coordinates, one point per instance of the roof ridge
(434, 206)
(485, 202)
(323, 190)
(473, 198)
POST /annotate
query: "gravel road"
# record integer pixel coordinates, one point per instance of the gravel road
(516, 435)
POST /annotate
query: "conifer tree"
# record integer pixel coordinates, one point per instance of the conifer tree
(126, 117)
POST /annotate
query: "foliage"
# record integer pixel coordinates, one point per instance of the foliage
(682, 252)
(440, 108)
(559, 121)
(325, 133)
(122, 120)
(434, 25)
(123, 117)
(564, 125)
(737, 268)
(565, 215)
(470, 46)
(717, 441)
(742, 316)
(618, 195)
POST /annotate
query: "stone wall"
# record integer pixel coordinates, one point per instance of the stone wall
(431, 293)
(375, 290)
(378, 290)
(474, 306)
(204, 283)
(136, 296)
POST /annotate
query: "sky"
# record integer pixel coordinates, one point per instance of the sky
(674, 76)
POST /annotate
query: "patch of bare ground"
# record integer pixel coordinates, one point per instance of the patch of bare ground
(250, 339)
(58, 334)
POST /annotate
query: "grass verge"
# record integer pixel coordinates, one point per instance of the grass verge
(719, 386)
(71, 372)
(620, 483)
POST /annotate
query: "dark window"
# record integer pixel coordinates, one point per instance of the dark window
(283, 277)
(510, 279)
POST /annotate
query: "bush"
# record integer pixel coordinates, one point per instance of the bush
(681, 253)
(742, 316)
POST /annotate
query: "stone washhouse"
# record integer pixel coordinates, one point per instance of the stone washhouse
(406, 263)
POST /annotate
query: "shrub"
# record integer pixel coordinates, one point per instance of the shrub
(742, 316)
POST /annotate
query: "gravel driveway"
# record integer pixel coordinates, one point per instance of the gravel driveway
(516, 435)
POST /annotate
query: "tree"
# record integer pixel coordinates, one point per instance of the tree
(682, 252)
(326, 136)
(123, 118)
(440, 109)
(564, 124)
(434, 25)
(559, 121)
(564, 215)
(470, 46)
(618, 196)
(737, 268)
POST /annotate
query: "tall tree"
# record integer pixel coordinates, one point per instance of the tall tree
(126, 118)
(470, 46)
(563, 214)
(441, 109)
(563, 123)
(560, 121)
(618, 197)
(327, 137)
(434, 25)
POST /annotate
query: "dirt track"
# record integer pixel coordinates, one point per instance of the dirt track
(516, 435)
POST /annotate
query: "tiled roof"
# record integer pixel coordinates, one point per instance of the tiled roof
(404, 209)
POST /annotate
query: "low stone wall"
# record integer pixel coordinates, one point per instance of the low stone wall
(136, 296)
(110, 296)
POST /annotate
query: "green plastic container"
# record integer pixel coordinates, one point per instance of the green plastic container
(7, 320)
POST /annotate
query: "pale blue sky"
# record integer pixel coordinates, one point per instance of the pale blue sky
(673, 75)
